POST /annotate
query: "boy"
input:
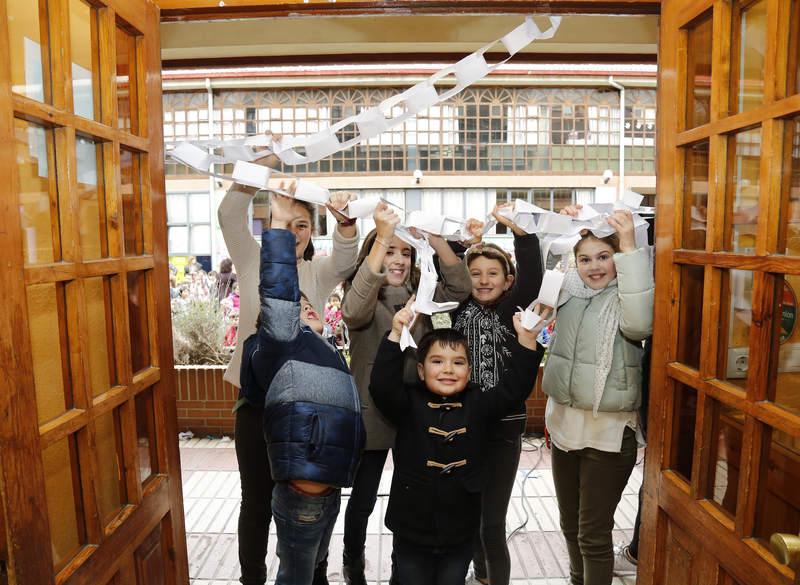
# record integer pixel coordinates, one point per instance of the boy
(312, 415)
(434, 502)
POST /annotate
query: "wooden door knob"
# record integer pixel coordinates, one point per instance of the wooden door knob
(786, 548)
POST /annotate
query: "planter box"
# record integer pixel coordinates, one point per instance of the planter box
(205, 400)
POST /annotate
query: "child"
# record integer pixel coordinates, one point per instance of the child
(312, 417)
(593, 380)
(486, 320)
(318, 276)
(383, 283)
(442, 422)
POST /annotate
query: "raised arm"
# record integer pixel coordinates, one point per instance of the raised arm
(279, 289)
(455, 283)
(634, 280)
(232, 215)
(518, 379)
(361, 297)
(386, 385)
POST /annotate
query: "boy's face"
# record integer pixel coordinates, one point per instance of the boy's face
(309, 316)
(445, 370)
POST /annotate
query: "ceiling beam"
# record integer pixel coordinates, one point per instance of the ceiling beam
(181, 10)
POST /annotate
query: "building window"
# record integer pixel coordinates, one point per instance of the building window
(188, 224)
(567, 124)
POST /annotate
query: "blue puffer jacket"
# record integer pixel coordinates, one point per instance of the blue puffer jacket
(312, 414)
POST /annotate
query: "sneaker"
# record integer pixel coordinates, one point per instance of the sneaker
(624, 562)
(472, 579)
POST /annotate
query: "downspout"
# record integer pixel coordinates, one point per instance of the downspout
(212, 187)
(621, 88)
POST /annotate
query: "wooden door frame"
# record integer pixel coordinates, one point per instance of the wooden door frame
(180, 10)
(22, 483)
(745, 560)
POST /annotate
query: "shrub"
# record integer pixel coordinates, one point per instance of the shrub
(198, 334)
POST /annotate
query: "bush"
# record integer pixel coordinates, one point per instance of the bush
(198, 334)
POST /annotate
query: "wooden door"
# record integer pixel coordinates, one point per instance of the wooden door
(723, 463)
(89, 469)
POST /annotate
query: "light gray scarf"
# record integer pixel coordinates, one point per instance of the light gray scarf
(608, 324)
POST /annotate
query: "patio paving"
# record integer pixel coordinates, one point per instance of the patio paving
(538, 555)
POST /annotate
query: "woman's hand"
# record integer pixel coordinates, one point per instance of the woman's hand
(402, 318)
(622, 221)
(283, 209)
(518, 231)
(473, 227)
(572, 210)
(338, 201)
(385, 222)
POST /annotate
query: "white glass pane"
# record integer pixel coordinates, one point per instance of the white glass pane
(201, 239)
(178, 240)
(198, 208)
(176, 209)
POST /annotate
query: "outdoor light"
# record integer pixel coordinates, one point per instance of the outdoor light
(607, 174)
(417, 176)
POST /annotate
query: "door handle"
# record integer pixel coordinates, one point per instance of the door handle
(786, 548)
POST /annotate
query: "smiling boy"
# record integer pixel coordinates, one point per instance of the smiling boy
(434, 503)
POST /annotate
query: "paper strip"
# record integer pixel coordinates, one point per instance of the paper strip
(311, 192)
(251, 174)
(551, 286)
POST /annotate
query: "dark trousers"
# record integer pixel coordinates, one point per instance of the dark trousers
(633, 547)
(362, 501)
(589, 485)
(422, 565)
(255, 512)
(490, 552)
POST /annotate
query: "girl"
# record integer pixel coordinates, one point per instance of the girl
(486, 319)
(385, 279)
(317, 276)
(593, 380)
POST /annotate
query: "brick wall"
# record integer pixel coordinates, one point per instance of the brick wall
(205, 401)
(535, 407)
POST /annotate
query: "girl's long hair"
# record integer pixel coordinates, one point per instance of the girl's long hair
(612, 241)
(413, 276)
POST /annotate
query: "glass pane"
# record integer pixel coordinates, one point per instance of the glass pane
(176, 209)
(698, 85)
(85, 59)
(794, 50)
(198, 208)
(691, 315)
(737, 296)
(201, 239)
(137, 315)
(38, 207)
(126, 80)
(27, 36)
(778, 501)
(146, 435)
(178, 240)
(684, 416)
(789, 237)
(47, 350)
(786, 392)
(110, 484)
(695, 198)
(130, 171)
(741, 210)
(91, 194)
(63, 492)
(102, 374)
(728, 432)
(749, 84)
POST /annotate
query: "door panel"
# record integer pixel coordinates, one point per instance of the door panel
(89, 460)
(723, 462)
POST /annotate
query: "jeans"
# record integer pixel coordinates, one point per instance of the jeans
(304, 524)
(255, 512)
(362, 502)
(423, 565)
(589, 485)
(490, 551)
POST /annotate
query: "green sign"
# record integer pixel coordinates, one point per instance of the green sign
(788, 312)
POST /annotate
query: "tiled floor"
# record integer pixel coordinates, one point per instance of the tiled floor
(211, 495)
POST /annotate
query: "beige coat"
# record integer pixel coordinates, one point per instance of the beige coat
(369, 319)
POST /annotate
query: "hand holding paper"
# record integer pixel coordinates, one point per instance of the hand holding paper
(401, 325)
(539, 317)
